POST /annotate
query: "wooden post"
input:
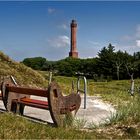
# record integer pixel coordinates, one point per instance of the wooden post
(50, 77)
(132, 86)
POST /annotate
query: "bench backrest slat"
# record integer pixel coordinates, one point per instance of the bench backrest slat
(27, 91)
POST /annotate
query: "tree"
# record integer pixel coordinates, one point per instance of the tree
(130, 70)
(106, 60)
(109, 64)
(68, 66)
(35, 62)
(136, 55)
(121, 59)
(119, 62)
(48, 66)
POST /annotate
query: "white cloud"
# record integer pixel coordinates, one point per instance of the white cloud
(138, 43)
(51, 10)
(132, 37)
(125, 47)
(127, 38)
(94, 43)
(131, 43)
(129, 48)
(60, 41)
(64, 26)
(138, 31)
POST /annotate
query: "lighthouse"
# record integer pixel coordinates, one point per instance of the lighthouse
(73, 50)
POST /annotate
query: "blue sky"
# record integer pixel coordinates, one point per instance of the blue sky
(42, 28)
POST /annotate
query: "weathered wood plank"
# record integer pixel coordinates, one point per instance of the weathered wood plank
(33, 103)
(0, 96)
(28, 91)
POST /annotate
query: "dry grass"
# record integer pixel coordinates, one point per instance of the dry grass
(23, 74)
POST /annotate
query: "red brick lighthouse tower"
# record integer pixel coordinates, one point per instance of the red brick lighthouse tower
(73, 50)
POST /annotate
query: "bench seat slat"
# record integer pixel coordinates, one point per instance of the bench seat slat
(33, 103)
(29, 100)
(27, 91)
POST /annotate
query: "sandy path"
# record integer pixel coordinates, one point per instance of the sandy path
(96, 112)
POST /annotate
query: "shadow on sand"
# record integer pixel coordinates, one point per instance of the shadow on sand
(33, 119)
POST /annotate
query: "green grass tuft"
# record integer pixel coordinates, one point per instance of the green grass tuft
(17, 127)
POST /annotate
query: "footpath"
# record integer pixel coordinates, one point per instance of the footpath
(96, 111)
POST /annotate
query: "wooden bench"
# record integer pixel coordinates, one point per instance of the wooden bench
(0, 96)
(4, 97)
(58, 105)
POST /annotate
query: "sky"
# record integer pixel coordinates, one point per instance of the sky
(42, 28)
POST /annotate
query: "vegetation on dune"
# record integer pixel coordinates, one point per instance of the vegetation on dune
(23, 74)
(125, 122)
(35, 63)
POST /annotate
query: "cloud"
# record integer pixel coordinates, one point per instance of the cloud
(64, 26)
(132, 37)
(138, 31)
(129, 48)
(138, 36)
(138, 43)
(131, 43)
(51, 10)
(94, 43)
(127, 38)
(60, 41)
(125, 47)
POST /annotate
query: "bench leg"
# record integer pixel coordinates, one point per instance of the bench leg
(13, 107)
(17, 108)
(21, 109)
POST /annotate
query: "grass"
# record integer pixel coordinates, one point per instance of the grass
(16, 127)
(122, 125)
(129, 113)
(116, 93)
(127, 118)
(79, 123)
